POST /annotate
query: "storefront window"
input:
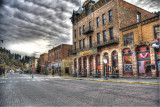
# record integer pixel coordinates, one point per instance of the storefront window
(75, 65)
(158, 62)
(85, 64)
(127, 61)
(91, 66)
(144, 63)
(115, 68)
(107, 64)
(80, 66)
(98, 67)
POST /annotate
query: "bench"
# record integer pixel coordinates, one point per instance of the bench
(115, 75)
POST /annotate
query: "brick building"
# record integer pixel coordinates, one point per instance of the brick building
(96, 32)
(138, 47)
(44, 62)
(59, 55)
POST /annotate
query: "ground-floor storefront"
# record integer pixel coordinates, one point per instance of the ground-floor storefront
(139, 60)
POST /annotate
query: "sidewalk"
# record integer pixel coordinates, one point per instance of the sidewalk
(113, 80)
(118, 80)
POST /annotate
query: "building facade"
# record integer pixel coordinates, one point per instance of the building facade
(44, 63)
(96, 35)
(59, 55)
(140, 50)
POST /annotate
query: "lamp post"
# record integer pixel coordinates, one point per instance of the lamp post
(105, 62)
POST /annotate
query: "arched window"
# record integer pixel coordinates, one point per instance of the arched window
(85, 64)
(75, 65)
(80, 66)
(115, 68)
(107, 64)
(98, 67)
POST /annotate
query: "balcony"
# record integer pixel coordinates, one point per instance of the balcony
(114, 41)
(88, 30)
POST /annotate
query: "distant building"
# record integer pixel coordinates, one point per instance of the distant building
(59, 55)
(44, 63)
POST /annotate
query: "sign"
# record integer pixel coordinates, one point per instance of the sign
(88, 52)
(98, 67)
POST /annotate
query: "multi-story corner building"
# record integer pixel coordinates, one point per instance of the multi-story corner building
(60, 52)
(44, 62)
(140, 50)
(96, 32)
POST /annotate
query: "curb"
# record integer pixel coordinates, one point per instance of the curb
(114, 81)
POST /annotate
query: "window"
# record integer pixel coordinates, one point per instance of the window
(104, 36)
(80, 31)
(97, 21)
(128, 38)
(103, 19)
(90, 41)
(138, 17)
(111, 33)
(83, 28)
(156, 31)
(75, 45)
(75, 34)
(90, 25)
(110, 15)
(52, 56)
(83, 43)
(98, 38)
(80, 44)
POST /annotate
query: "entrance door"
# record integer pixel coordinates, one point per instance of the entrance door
(144, 63)
(115, 69)
(127, 61)
(106, 65)
(158, 62)
(80, 66)
(91, 65)
(85, 65)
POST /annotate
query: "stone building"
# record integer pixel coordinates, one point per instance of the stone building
(44, 63)
(96, 32)
(140, 50)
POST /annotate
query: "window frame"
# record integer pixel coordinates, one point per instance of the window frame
(110, 15)
(111, 34)
(103, 19)
(98, 22)
(98, 38)
(131, 38)
(104, 36)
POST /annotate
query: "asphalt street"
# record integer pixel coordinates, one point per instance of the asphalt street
(23, 90)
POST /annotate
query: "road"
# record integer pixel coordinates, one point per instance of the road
(22, 90)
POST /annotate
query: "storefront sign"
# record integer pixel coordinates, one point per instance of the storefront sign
(88, 52)
(98, 67)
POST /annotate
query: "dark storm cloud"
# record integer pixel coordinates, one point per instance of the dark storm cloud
(29, 20)
(149, 5)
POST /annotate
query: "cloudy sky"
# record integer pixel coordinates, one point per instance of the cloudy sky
(34, 26)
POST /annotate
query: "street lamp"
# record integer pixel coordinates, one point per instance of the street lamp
(105, 62)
